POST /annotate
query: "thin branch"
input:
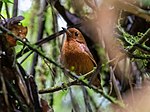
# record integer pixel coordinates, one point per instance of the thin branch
(58, 88)
(86, 99)
(95, 73)
(141, 40)
(7, 10)
(34, 90)
(138, 45)
(26, 57)
(114, 82)
(42, 41)
(131, 55)
(76, 107)
(93, 101)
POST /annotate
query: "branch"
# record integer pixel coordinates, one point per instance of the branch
(126, 6)
(58, 88)
(40, 42)
(7, 10)
(140, 41)
(137, 44)
(34, 90)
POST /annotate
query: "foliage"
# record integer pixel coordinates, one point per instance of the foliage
(38, 55)
(7, 1)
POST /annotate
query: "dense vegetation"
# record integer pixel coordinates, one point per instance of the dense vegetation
(32, 77)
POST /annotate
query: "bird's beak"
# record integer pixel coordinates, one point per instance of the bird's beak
(67, 31)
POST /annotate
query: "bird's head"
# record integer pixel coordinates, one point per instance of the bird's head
(74, 34)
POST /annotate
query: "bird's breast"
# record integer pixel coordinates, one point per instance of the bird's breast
(75, 58)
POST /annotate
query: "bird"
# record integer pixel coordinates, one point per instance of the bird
(75, 55)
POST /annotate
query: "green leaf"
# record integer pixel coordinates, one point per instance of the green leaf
(7, 1)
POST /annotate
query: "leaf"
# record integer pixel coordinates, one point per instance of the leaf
(7, 1)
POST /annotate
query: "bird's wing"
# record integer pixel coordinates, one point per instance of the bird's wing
(85, 48)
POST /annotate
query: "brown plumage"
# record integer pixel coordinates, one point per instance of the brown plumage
(75, 54)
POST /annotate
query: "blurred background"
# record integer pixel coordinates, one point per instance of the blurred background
(117, 34)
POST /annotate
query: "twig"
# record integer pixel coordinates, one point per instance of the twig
(138, 44)
(26, 57)
(7, 10)
(42, 41)
(141, 40)
(144, 49)
(117, 91)
(137, 56)
(58, 88)
(86, 84)
(95, 73)
(26, 79)
(74, 102)
(34, 90)
(86, 99)
(94, 103)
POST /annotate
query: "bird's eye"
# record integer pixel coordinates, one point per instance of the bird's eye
(76, 34)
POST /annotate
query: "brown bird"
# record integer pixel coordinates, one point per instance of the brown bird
(75, 54)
